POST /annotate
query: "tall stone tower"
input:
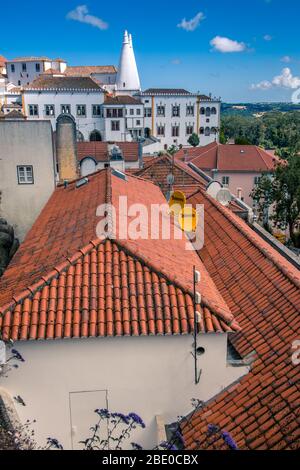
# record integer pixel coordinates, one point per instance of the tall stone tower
(128, 80)
(66, 148)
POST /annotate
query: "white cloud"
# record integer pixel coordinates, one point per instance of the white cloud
(285, 80)
(225, 45)
(81, 14)
(176, 61)
(268, 37)
(287, 59)
(264, 85)
(191, 25)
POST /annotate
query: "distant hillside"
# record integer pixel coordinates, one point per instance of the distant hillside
(256, 109)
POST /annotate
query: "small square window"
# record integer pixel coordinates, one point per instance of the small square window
(81, 110)
(65, 109)
(25, 174)
(96, 109)
(257, 180)
(49, 110)
(160, 110)
(115, 125)
(176, 111)
(225, 180)
(33, 110)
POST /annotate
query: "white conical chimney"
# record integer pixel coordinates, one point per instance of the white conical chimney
(128, 77)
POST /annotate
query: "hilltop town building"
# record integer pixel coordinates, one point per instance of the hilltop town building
(108, 103)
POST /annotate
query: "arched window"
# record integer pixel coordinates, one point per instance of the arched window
(213, 130)
(147, 132)
(95, 136)
(202, 111)
(207, 112)
(87, 166)
(202, 130)
(80, 137)
(207, 131)
(214, 110)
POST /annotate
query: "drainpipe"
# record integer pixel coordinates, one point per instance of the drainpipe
(141, 163)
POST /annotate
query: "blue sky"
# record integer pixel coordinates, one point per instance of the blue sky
(241, 50)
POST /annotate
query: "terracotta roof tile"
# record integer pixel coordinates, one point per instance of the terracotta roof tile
(121, 100)
(44, 82)
(86, 288)
(87, 70)
(99, 150)
(157, 170)
(263, 291)
(229, 158)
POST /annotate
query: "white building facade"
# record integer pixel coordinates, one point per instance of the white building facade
(150, 376)
(82, 97)
(172, 116)
(23, 70)
(27, 171)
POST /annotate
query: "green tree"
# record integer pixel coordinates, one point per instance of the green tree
(283, 191)
(242, 141)
(194, 140)
(173, 149)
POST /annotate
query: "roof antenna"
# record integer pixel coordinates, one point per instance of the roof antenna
(197, 320)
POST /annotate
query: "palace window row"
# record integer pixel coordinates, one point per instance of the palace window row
(81, 110)
(189, 130)
(176, 111)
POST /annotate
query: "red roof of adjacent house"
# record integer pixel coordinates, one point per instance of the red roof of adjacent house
(100, 150)
(158, 169)
(236, 158)
(66, 282)
(262, 288)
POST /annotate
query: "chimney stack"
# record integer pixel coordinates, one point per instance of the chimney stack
(66, 147)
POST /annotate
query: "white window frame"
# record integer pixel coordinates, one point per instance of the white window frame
(33, 107)
(25, 174)
(65, 106)
(225, 180)
(50, 110)
(79, 108)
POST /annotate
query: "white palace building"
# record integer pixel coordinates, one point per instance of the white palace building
(107, 103)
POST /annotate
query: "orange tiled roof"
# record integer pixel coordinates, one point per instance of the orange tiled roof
(262, 289)
(99, 150)
(87, 70)
(111, 287)
(159, 168)
(44, 82)
(237, 158)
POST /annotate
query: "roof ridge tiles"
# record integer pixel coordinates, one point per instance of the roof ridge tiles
(267, 250)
